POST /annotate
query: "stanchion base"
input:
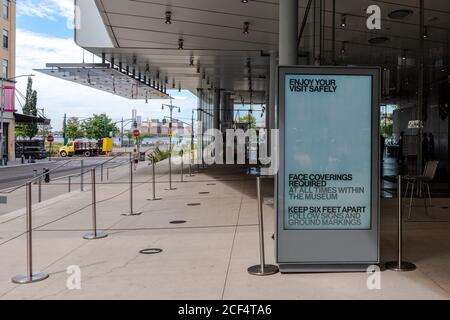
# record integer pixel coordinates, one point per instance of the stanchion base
(94, 236)
(404, 266)
(155, 199)
(170, 189)
(269, 269)
(130, 214)
(24, 279)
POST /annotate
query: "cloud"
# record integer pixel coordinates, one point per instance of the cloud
(47, 9)
(59, 97)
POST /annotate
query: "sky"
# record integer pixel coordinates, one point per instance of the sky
(45, 35)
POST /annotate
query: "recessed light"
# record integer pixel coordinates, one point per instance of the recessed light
(400, 14)
(378, 40)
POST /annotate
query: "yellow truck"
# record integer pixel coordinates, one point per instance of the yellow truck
(87, 149)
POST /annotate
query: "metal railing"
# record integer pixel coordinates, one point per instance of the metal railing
(31, 277)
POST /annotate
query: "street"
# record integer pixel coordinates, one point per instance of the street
(12, 178)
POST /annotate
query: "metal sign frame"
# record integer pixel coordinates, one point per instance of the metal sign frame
(328, 250)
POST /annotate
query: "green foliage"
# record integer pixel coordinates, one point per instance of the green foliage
(73, 129)
(158, 155)
(387, 130)
(29, 130)
(99, 127)
(249, 119)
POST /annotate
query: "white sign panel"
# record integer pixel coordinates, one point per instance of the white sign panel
(328, 167)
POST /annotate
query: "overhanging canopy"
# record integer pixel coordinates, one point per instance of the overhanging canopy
(24, 118)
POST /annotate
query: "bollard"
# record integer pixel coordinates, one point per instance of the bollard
(107, 173)
(262, 269)
(81, 176)
(154, 183)
(40, 190)
(30, 276)
(94, 234)
(131, 212)
(101, 173)
(400, 265)
(70, 184)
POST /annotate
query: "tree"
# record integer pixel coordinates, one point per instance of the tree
(73, 129)
(44, 131)
(387, 130)
(29, 130)
(99, 127)
(248, 119)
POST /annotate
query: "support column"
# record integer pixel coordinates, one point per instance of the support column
(223, 106)
(273, 90)
(288, 32)
(230, 112)
(421, 81)
(216, 109)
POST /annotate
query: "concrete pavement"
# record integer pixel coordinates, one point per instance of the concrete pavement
(205, 258)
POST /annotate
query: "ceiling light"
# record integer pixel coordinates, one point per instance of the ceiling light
(168, 17)
(246, 27)
(343, 49)
(180, 44)
(400, 14)
(244, 1)
(425, 32)
(343, 21)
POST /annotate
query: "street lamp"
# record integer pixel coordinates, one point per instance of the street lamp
(2, 108)
(171, 107)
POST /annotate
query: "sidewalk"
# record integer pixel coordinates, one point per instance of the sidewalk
(205, 258)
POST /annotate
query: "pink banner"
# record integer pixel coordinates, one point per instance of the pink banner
(9, 99)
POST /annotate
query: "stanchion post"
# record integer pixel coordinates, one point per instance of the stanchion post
(131, 212)
(94, 234)
(190, 167)
(70, 184)
(170, 171)
(101, 172)
(154, 183)
(262, 269)
(400, 265)
(182, 166)
(81, 176)
(30, 276)
(40, 190)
